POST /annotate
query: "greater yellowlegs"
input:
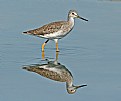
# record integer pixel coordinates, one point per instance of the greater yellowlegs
(56, 30)
(55, 71)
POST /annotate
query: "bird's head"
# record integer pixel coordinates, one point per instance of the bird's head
(72, 90)
(74, 14)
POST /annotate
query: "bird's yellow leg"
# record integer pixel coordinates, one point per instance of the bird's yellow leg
(57, 55)
(43, 55)
(56, 42)
(43, 45)
(57, 50)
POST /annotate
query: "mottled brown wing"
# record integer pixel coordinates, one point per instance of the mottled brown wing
(46, 73)
(46, 29)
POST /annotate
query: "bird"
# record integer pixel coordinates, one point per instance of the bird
(55, 71)
(56, 30)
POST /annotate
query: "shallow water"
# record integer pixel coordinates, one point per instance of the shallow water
(92, 50)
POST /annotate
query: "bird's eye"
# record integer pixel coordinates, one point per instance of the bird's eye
(72, 13)
(72, 90)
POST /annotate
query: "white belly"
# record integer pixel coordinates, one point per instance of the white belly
(56, 35)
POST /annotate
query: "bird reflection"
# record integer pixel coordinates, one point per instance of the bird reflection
(55, 71)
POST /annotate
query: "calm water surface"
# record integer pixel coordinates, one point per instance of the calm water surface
(92, 51)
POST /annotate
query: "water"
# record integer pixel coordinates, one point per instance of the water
(92, 51)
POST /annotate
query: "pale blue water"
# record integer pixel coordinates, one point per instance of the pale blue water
(92, 51)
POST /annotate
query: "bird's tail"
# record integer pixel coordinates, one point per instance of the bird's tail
(29, 32)
(33, 68)
(28, 68)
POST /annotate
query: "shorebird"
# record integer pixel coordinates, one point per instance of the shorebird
(55, 71)
(56, 30)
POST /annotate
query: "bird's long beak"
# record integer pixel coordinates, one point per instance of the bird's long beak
(81, 18)
(80, 86)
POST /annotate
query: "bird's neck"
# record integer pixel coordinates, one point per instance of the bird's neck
(71, 21)
(69, 84)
